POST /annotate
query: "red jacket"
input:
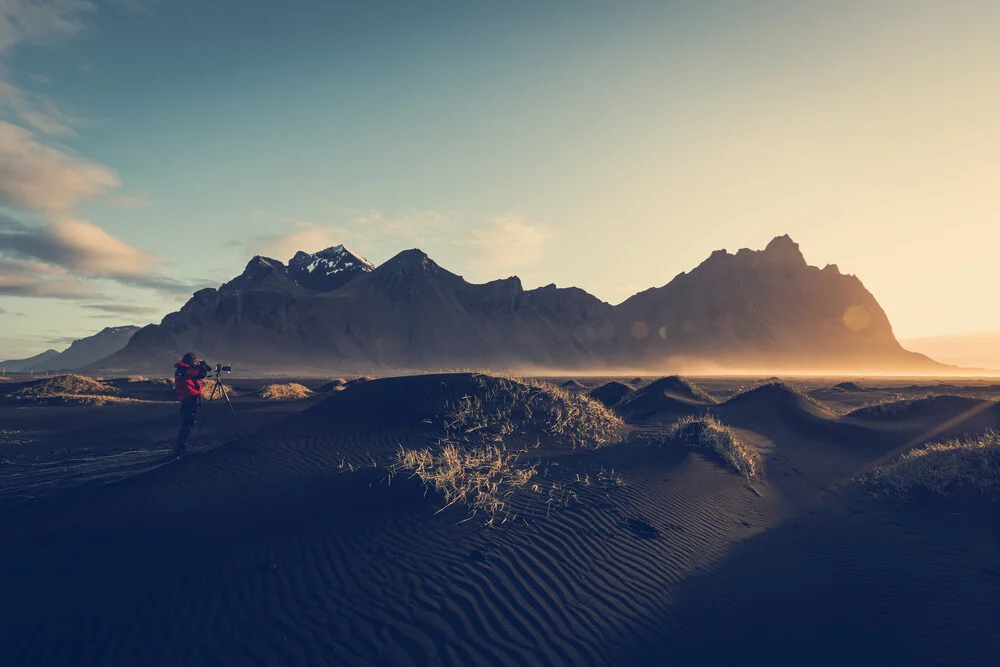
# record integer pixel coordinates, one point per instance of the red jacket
(187, 380)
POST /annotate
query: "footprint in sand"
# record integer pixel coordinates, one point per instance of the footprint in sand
(642, 529)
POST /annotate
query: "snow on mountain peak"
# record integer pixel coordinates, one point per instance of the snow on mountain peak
(327, 269)
(333, 260)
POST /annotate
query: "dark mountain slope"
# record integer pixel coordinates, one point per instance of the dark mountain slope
(332, 309)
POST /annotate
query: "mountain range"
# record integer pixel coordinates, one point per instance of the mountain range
(335, 310)
(82, 352)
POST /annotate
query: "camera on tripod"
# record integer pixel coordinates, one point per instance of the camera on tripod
(217, 369)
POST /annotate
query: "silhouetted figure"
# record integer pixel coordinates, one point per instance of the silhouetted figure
(188, 374)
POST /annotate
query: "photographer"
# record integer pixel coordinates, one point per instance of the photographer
(188, 374)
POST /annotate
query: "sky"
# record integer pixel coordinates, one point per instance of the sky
(149, 148)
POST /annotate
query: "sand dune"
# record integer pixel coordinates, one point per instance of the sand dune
(664, 398)
(610, 393)
(290, 547)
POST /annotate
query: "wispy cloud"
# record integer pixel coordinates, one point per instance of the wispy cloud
(45, 249)
(67, 250)
(63, 340)
(304, 236)
(41, 21)
(36, 110)
(510, 243)
(40, 177)
(128, 201)
(39, 280)
(134, 6)
(76, 245)
(122, 308)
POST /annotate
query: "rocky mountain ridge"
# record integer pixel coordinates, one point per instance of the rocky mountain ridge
(333, 309)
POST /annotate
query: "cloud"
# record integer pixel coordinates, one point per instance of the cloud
(123, 308)
(35, 279)
(71, 249)
(38, 111)
(134, 6)
(41, 21)
(128, 201)
(77, 245)
(510, 242)
(40, 177)
(304, 236)
(45, 251)
(63, 340)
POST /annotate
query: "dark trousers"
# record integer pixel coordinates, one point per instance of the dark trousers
(189, 415)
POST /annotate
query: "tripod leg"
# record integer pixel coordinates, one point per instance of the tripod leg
(201, 422)
(233, 411)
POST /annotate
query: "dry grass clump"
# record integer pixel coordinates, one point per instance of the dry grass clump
(69, 390)
(291, 391)
(506, 406)
(950, 469)
(206, 391)
(482, 477)
(709, 433)
(142, 379)
(472, 463)
(337, 384)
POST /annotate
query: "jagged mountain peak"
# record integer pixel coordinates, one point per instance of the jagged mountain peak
(115, 331)
(334, 258)
(259, 265)
(414, 257)
(259, 270)
(327, 269)
(784, 248)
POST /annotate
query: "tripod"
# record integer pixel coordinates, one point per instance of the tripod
(218, 386)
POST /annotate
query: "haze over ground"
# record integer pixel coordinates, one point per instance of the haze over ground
(607, 147)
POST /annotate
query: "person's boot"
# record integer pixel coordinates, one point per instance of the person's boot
(179, 448)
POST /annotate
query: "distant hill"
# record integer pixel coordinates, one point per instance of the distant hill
(333, 309)
(85, 351)
(80, 353)
(29, 364)
(975, 350)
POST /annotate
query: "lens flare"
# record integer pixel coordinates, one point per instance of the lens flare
(640, 329)
(857, 318)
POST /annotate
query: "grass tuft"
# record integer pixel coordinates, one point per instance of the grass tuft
(709, 433)
(483, 477)
(69, 390)
(291, 391)
(337, 384)
(507, 405)
(206, 391)
(950, 469)
(473, 465)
